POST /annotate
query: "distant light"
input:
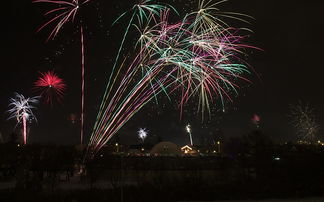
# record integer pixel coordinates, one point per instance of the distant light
(18, 145)
(319, 142)
(277, 159)
(214, 151)
(116, 144)
(218, 142)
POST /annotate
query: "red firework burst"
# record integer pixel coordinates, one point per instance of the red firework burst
(50, 85)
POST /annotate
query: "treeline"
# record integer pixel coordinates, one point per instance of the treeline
(250, 167)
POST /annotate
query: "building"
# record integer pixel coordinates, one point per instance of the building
(166, 149)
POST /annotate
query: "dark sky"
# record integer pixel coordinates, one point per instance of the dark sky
(290, 69)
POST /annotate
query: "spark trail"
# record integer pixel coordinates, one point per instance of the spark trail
(198, 57)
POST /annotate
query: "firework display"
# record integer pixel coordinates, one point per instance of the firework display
(50, 86)
(21, 109)
(199, 56)
(64, 12)
(304, 121)
(161, 100)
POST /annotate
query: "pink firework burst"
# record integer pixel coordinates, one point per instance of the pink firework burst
(50, 85)
(64, 12)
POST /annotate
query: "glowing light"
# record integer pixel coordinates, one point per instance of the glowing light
(186, 149)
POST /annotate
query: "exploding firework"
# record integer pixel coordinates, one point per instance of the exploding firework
(196, 57)
(142, 134)
(64, 12)
(145, 12)
(304, 121)
(21, 109)
(49, 85)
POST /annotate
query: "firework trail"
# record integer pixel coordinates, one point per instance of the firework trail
(21, 109)
(188, 129)
(49, 85)
(196, 56)
(145, 12)
(63, 13)
(126, 100)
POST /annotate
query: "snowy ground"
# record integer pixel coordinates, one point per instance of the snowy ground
(75, 184)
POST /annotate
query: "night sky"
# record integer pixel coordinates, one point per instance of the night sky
(289, 69)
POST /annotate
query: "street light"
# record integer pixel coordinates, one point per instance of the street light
(117, 148)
